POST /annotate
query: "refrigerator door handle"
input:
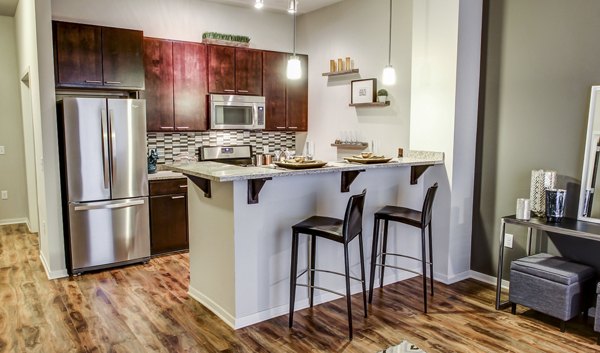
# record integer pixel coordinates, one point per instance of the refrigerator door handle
(111, 117)
(105, 167)
(110, 206)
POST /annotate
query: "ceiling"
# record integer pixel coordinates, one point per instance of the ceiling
(8, 7)
(304, 6)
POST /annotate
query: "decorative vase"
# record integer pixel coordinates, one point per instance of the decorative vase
(523, 211)
(555, 204)
(152, 159)
(540, 181)
(382, 99)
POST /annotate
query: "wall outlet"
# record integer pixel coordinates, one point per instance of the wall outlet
(2, 150)
(508, 240)
(4, 195)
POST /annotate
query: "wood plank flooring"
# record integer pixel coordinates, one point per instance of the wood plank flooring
(146, 308)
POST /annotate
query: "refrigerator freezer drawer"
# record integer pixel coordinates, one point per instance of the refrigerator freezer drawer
(107, 232)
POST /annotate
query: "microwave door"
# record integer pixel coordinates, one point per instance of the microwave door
(233, 116)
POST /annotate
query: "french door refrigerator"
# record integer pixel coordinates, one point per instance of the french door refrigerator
(105, 182)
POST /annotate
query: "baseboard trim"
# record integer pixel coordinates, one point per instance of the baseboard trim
(482, 277)
(448, 280)
(212, 306)
(8, 221)
(52, 274)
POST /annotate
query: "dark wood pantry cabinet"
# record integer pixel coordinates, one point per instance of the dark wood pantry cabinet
(168, 216)
(176, 85)
(234, 70)
(286, 100)
(88, 56)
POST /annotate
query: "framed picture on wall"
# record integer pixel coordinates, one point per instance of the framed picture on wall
(363, 91)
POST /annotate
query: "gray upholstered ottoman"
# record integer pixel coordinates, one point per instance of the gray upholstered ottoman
(551, 285)
(597, 316)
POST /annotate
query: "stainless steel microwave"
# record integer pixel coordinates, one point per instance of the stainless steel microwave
(232, 112)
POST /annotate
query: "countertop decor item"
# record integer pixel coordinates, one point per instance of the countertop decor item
(363, 91)
(540, 181)
(555, 204)
(225, 39)
(382, 95)
(152, 159)
(369, 160)
(292, 164)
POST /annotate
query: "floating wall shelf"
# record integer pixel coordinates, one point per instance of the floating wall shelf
(351, 146)
(340, 73)
(373, 104)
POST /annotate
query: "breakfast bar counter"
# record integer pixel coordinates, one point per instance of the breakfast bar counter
(240, 243)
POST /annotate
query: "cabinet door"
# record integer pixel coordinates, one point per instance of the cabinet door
(122, 58)
(158, 68)
(78, 54)
(221, 69)
(248, 71)
(274, 87)
(168, 223)
(297, 99)
(190, 86)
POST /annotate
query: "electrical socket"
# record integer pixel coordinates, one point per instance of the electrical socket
(2, 150)
(508, 240)
(4, 195)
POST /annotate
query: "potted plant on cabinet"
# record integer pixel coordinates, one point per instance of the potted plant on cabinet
(382, 95)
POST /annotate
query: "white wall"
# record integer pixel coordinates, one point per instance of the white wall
(12, 177)
(446, 57)
(182, 19)
(358, 29)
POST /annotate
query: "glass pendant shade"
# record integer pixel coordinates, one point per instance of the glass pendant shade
(389, 76)
(259, 4)
(292, 7)
(294, 68)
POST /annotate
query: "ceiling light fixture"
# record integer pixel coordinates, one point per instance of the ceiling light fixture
(259, 4)
(293, 6)
(389, 73)
(294, 67)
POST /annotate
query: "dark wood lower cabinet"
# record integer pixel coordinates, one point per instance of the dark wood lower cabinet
(168, 216)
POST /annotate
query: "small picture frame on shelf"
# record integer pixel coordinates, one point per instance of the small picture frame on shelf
(363, 91)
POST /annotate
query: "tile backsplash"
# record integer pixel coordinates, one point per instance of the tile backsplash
(169, 145)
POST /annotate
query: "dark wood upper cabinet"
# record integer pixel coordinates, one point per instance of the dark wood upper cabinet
(78, 54)
(297, 99)
(122, 58)
(274, 90)
(190, 86)
(158, 68)
(248, 75)
(221, 69)
(89, 56)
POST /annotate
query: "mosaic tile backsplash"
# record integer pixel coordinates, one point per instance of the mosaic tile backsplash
(169, 145)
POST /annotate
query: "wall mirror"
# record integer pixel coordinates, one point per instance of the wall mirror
(589, 199)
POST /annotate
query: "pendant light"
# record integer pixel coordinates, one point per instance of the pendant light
(292, 7)
(389, 73)
(294, 68)
(259, 4)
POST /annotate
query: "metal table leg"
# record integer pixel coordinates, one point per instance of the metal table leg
(529, 232)
(500, 264)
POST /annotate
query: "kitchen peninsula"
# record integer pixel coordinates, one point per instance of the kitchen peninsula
(240, 219)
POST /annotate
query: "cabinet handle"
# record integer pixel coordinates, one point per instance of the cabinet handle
(183, 127)
(292, 127)
(92, 81)
(177, 197)
(280, 127)
(242, 91)
(166, 127)
(112, 82)
(228, 90)
(183, 186)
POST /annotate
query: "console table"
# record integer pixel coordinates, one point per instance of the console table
(568, 227)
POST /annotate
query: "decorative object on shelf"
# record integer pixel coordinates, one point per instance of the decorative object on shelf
(555, 204)
(340, 65)
(152, 159)
(294, 67)
(348, 64)
(225, 39)
(389, 73)
(382, 95)
(523, 211)
(363, 91)
(332, 66)
(540, 181)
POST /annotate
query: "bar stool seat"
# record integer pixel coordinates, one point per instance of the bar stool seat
(337, 230)
(414, 218)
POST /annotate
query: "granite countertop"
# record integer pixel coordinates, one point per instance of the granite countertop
(223, 172)
(165, 175)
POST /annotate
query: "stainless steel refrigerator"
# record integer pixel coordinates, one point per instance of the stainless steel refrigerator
(105, 182)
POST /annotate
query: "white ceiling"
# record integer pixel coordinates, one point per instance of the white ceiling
(8, 7)
(304, 6)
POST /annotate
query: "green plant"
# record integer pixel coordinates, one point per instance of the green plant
(382, 92)
(223, 36)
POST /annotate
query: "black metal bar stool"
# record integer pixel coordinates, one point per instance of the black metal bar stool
(418, 219)
(341, 231)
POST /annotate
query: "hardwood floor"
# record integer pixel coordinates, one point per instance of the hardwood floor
(145, 308)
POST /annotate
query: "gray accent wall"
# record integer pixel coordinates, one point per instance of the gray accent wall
(541, 58)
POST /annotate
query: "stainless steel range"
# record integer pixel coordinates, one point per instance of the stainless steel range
(237, 155)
